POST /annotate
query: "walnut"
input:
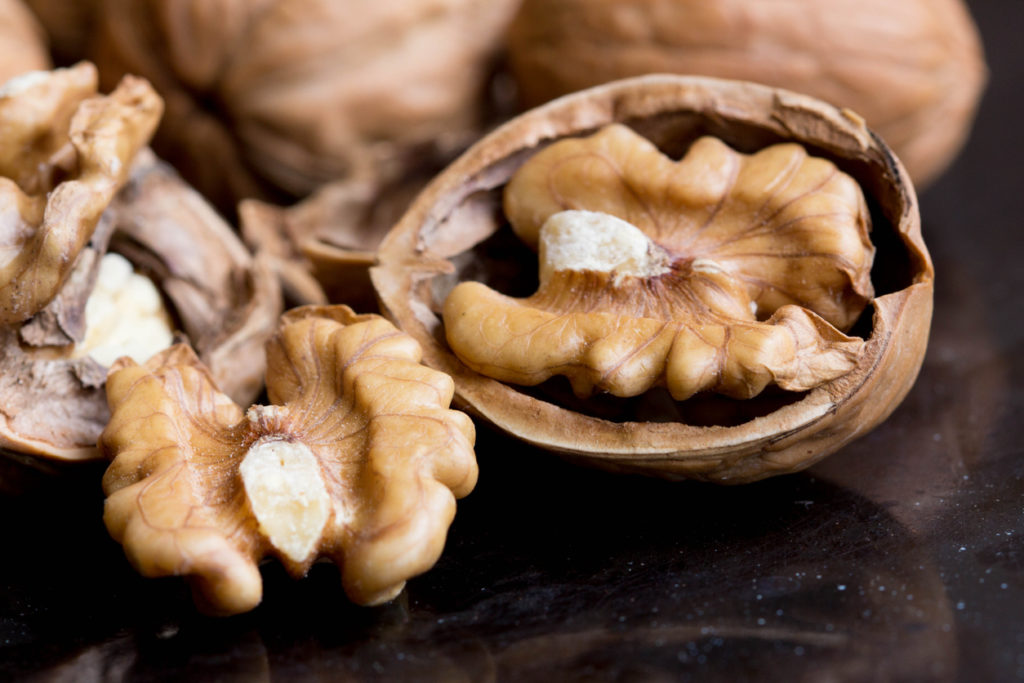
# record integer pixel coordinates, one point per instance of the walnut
(654, 272)
(358, 460)
(22, 40)
(770, 291)
(76, 181)
(331, 89)
(914, 70)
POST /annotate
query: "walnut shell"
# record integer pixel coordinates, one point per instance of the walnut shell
(284, 95)
(913, 69)
(456, 231)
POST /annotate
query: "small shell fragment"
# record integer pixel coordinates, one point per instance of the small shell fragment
(456, 235)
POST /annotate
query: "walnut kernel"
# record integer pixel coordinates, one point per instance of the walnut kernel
(358, 460)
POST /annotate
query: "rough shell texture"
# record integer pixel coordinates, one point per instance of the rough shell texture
(285, 95)
(913, 69)
(389, 459)
(22, 41)
(455, 231)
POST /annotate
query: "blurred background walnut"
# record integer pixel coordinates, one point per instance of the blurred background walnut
(913, 69)
(68, 25)
(274, 98)
(22, 41)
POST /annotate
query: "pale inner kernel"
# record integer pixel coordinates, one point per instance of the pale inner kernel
(600, 242)
(287, 494)
(124, 316)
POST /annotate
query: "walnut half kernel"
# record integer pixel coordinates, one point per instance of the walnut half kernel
(65, 154)
(358, 460)
(726, 237)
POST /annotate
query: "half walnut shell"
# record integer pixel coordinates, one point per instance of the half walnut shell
(458, 231)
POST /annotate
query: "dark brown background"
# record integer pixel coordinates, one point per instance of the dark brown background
(899, 558)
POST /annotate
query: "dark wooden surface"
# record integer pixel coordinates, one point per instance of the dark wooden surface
(899, 558)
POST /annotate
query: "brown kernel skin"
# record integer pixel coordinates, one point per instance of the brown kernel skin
(778, 232)
(391, 454)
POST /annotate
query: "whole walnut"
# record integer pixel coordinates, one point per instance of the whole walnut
(274, 98)
(913, 69)
(22, 40)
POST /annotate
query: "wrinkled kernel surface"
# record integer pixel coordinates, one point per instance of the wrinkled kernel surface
(766, 259)
(358, 461)
(66, 152)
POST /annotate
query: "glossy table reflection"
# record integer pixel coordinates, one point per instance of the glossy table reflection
(899, 558)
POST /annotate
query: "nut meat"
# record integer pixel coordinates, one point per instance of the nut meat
(64, 156)
(67, 151)
(721, 272)
(358, 460)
